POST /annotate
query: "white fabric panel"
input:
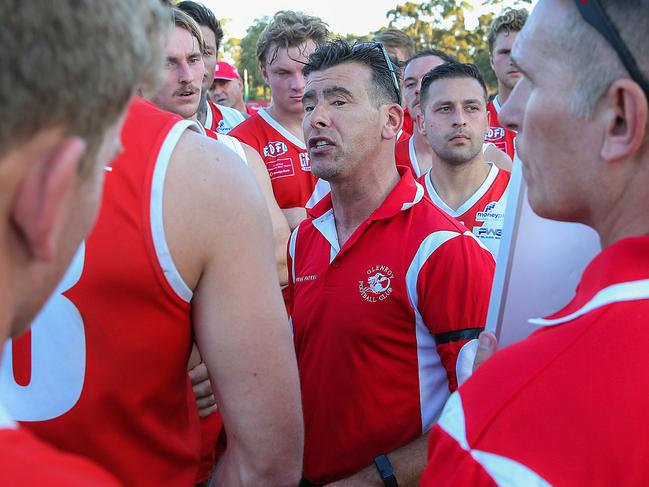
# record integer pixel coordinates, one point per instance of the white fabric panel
(627, 291)
(157, 196)
(432, 375)
(504, 471)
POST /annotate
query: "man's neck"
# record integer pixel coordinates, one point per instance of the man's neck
(289, 120)
(503, 93)
(355, 199)
(201, 114)
(456, 184)
(241, 106)
(423, 152)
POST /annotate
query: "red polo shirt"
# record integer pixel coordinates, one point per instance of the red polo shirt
(568, 405)
(379, 324)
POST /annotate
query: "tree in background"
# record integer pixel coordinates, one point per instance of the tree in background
(440, 24)
(244, 54)
(437, 24)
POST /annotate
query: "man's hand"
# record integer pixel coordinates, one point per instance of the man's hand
(201, 384)
(487, 346)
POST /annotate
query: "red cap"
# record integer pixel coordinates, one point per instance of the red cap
(224, 70)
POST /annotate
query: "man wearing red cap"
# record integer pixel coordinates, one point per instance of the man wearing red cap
(227, 88)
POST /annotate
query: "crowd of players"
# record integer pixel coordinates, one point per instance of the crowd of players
(292, 295)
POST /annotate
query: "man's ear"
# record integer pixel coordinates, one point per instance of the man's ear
(626, 125)
(264, 72)
(394, 121)
(420, 123)
(40, 197)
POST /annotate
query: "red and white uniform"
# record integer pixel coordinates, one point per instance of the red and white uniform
(26, 461)
(566, 406)
(408, 123)
(222, 119)
(405, 155)
(286, 159)
(378, 326)
(484, 212)
(106, 373)
(497, 134)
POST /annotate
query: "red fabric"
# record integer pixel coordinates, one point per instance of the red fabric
(499, 135)
(361, 346)
(286, 159)
(134, 415)
(569, 402)
(407, 123)
(26, 461)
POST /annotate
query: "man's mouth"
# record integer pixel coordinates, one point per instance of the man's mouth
(319, 144)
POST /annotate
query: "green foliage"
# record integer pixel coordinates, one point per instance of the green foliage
(440, 24)
(247, 59)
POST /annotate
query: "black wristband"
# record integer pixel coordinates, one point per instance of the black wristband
(384, 467)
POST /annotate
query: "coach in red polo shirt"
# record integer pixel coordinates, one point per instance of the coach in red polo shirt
(387, 289)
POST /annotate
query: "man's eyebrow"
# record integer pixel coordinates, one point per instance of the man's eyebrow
(309, 95)
(337, 90)
(472, 101)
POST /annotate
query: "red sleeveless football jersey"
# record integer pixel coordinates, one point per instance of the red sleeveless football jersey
(497, 134)
(106, 376)
(286, 159)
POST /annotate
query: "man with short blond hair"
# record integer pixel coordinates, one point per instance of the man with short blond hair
(502, 34)
(216, 117)
(397, 43)
(276, 132)
(56, 145)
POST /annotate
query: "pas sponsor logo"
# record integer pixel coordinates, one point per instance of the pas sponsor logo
(495, 133)
(377, 285)
(275, 149)
(488, 233)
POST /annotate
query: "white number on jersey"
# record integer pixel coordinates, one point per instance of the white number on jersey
(58, 351)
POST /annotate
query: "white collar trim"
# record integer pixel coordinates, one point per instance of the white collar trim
(263, 113)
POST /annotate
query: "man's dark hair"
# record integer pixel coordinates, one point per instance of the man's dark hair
(203, 16)
(339, 51)
(444, 56)
(448, 71)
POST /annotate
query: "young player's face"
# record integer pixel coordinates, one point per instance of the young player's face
(342, 128)
(227, 92)
(76, 218)
(284, 76)
(507, 74)
(183, 73)
(558, 150)
(455, 119)
(209, 57)
(412, 76)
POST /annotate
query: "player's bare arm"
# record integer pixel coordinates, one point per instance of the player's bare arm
(294, 216)
(281, 231)
(238, 315)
